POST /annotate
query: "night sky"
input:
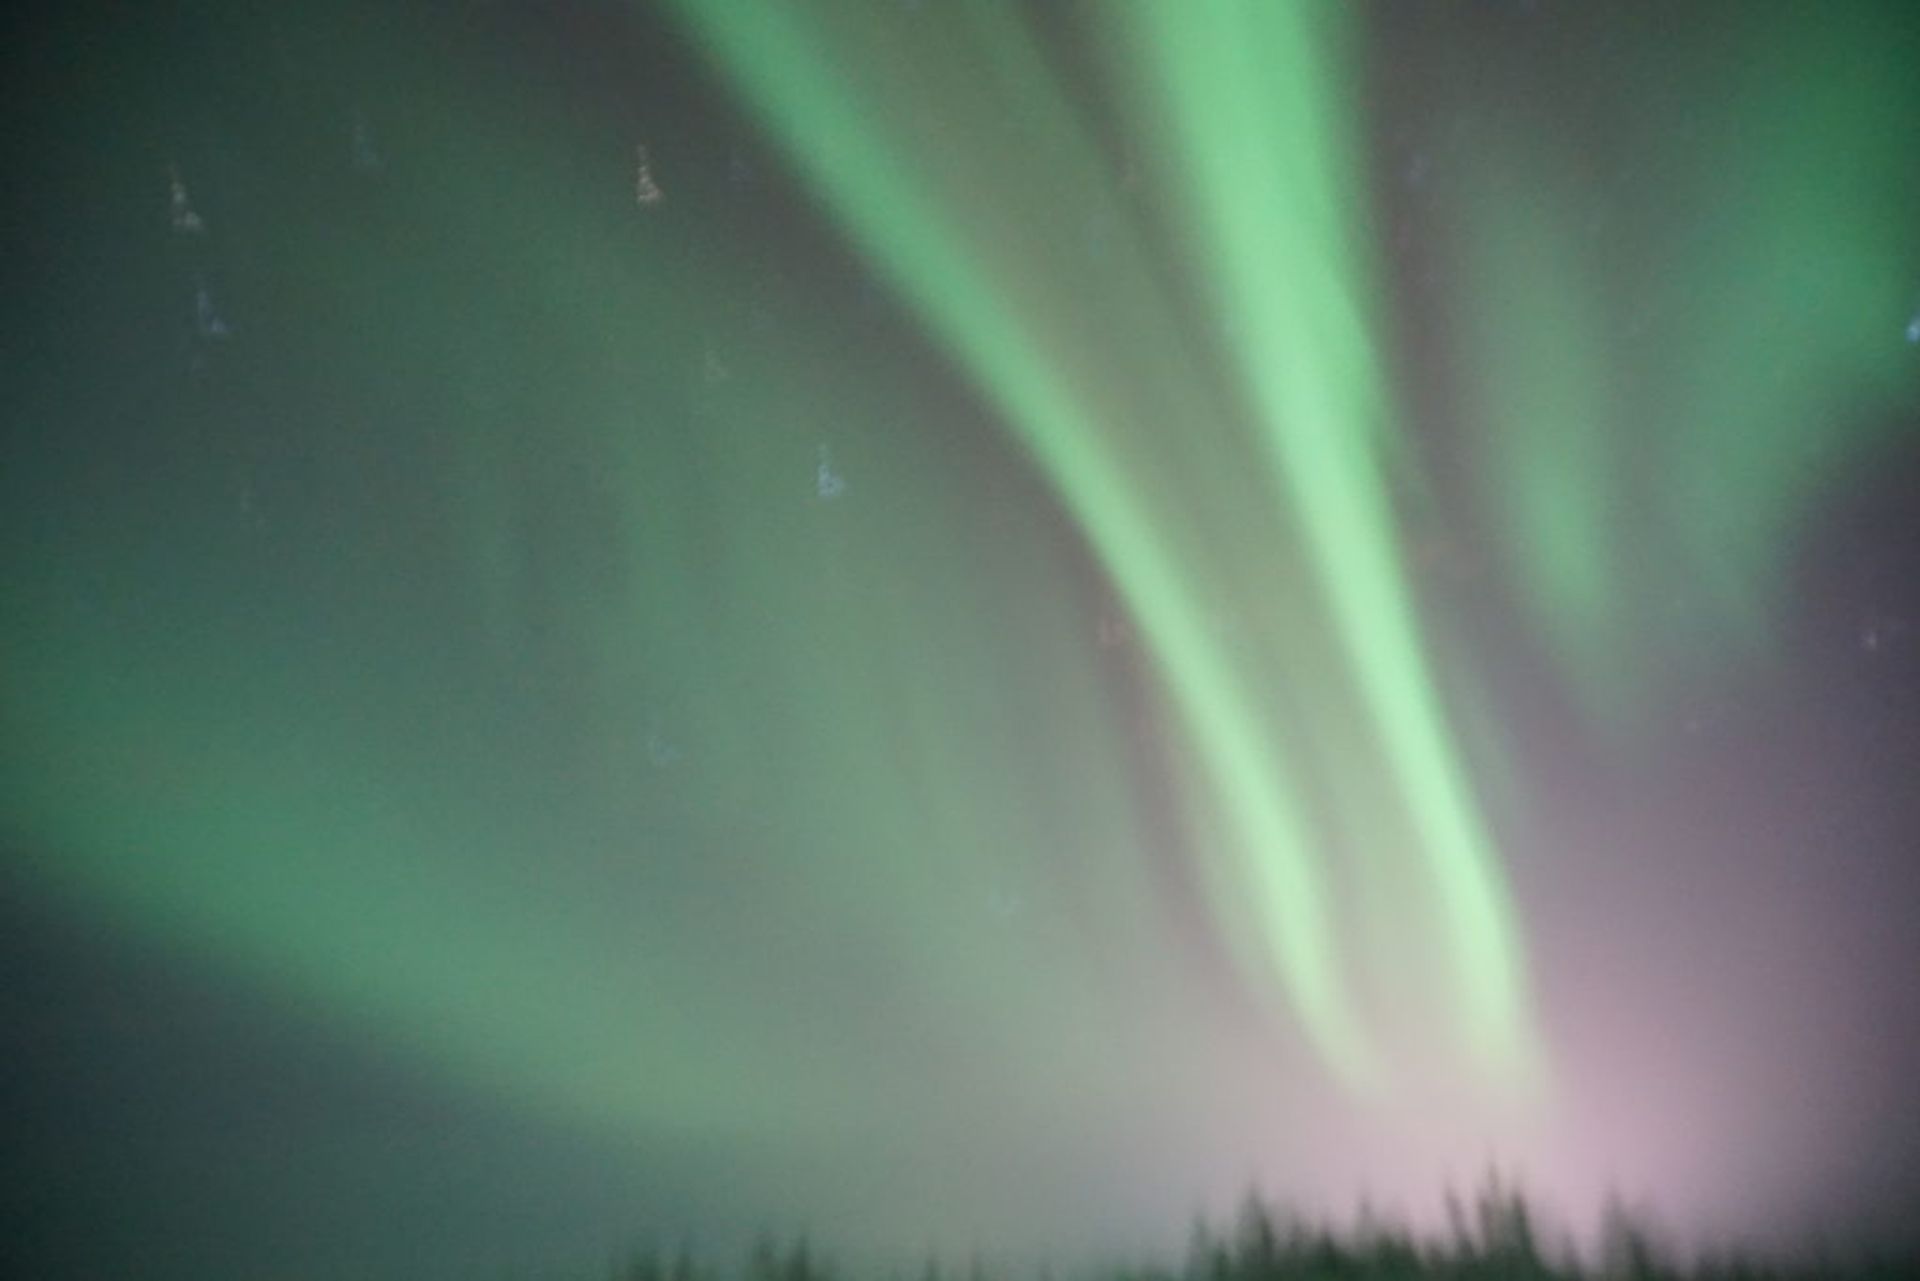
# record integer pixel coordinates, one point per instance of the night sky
(962, 627)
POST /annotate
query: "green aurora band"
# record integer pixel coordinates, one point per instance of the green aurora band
(596, 761)
(963, 182)
(1647, 443)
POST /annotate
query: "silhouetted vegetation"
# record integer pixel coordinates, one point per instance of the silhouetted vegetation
(1498, 1237)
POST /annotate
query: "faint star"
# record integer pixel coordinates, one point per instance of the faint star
(645, 190)
(828, 484)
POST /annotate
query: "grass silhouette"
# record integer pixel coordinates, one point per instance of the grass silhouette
(1496, 1236)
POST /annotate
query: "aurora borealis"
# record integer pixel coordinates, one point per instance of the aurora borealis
(966, 625)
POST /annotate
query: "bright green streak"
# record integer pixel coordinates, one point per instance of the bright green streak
(1262, 133)
(935, 213)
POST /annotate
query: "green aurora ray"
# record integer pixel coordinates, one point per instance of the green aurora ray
(962, 177)
(554, 727)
